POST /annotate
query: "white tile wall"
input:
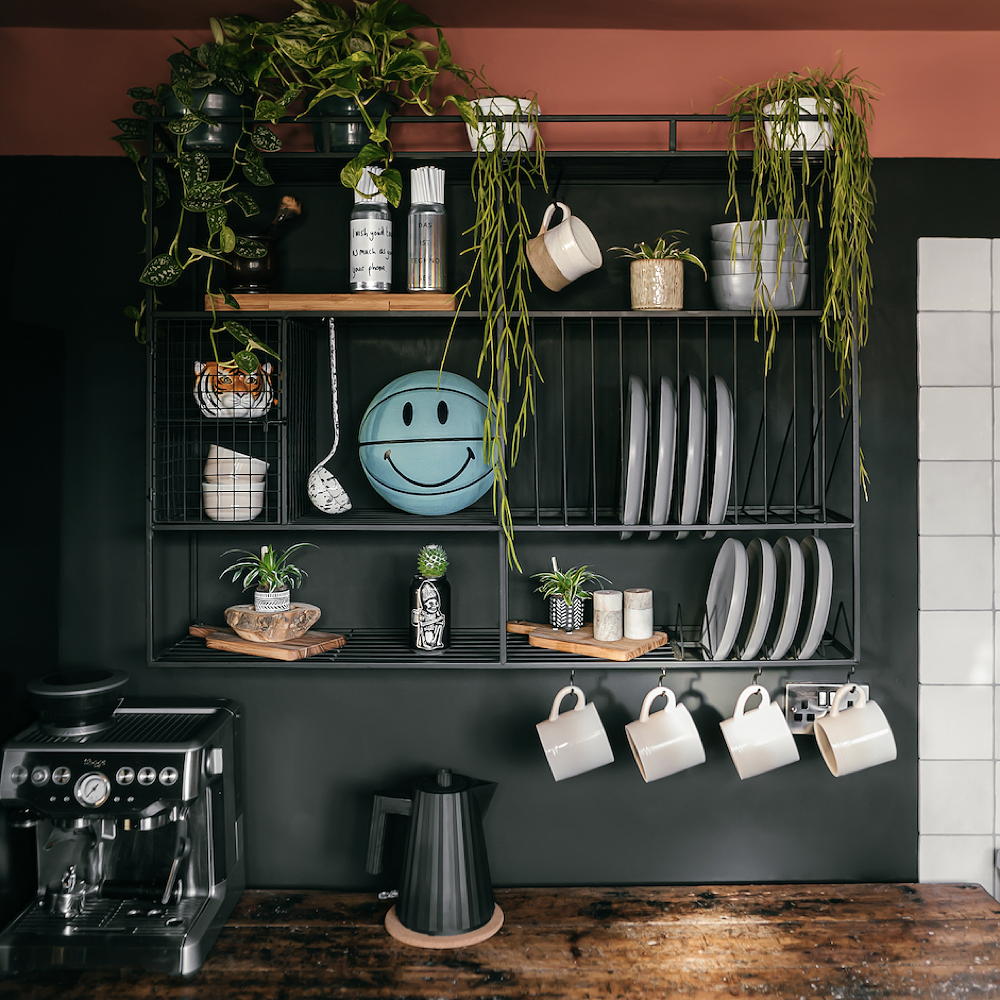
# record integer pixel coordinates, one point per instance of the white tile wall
(958, 342)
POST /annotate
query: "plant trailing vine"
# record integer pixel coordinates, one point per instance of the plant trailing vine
(502, 273)
(155, 141)
(781, 181)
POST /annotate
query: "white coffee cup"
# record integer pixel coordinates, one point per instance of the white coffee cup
(565, 252)
(852, 739)
(758, 740)
(666, 741)
(574, 742)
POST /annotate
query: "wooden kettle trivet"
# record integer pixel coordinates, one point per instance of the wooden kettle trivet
(582, 641)
(290, 649)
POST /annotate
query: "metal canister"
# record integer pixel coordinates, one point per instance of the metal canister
(426, 243)
(371, 238)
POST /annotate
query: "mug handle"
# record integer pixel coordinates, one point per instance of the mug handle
(652, 696)
(557, 701)
(547, 217)
(747, 693)
(842, 692)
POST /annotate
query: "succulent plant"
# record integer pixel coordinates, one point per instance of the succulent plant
(432, 561)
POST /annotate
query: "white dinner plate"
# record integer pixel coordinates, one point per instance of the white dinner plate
(818, 595)
(790, 565)
(727, 594)
(760, 593)
(666, 446)
(633, 477)
(722, 460)
(694, 465)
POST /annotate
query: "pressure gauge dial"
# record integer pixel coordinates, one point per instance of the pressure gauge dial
(92, 789)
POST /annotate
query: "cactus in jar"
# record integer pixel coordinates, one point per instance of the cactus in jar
(432, 561)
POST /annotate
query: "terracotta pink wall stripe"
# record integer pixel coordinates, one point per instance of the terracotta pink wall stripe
(939, 89)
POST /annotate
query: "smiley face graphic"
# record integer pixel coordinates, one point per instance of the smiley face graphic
(421, 443)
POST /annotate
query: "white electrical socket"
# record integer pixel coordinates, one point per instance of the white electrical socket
(806, 702)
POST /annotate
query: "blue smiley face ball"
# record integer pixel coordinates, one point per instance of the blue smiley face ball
(421, 443)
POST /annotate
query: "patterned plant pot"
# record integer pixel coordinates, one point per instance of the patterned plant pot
(271, 600)
(567, 617)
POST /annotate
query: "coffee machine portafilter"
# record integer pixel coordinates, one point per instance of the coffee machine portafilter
(138, 836)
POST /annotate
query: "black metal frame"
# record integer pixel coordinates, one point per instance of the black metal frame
(699, 339)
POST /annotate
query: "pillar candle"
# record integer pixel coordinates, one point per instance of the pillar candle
(607, 615)
(638, 613)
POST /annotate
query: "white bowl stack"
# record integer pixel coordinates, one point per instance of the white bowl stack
(232, 486)
(784, 270)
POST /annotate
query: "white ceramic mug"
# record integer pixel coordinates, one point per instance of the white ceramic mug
(565, 252)
(666, 741)
(851, 739)
(575, 741)
(758, 740)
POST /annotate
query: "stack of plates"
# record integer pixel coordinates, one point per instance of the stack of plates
(784, 271)
(768, 603)
(706, 463)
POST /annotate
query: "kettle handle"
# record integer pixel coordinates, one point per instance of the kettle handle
(382, 807)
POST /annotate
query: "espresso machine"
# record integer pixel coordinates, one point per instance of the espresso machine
(137, 815)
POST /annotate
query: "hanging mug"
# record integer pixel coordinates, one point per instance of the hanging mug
(758, 740)
(575, 741)
(666, 741)
(852, 739)
(565, 252)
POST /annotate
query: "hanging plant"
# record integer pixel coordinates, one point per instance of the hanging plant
(782, 179)
(500, 268)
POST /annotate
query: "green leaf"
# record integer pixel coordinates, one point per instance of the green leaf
(390, 183)
(202, 196)
(257, 174)
(263, 138)
(194, 168)
(133, 128)
(247, 361)
(184, 95)
(144, 109)
(230, 300)
(246, 202)
(249, 248)
(161, 187)
(162, 270)
(183, 125)
(350, 176)
(237, 331)
(216, 219)
(197, 81)
(227, 240)
(268, 110)
(140, 93)
(233, 82)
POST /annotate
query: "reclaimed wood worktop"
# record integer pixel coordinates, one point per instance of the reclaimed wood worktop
(850, 942)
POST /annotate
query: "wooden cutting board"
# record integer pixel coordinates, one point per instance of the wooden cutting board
(291, 649)
(343, 302)
(582, 641)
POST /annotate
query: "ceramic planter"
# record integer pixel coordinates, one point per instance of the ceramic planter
(272, 600)
(657, 284)
(812, 136)
(212, 102)
(516, 136)
(349, 136)
(567, 617)
(430, 614)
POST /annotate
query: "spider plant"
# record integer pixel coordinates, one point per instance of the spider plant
(836, 191)
(662, 249)
(500, 268)
(567, 585)
(270, 570)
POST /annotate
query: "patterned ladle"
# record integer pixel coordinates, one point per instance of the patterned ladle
(325, 491)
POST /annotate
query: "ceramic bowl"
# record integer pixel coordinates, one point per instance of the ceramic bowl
(788, 267)
(225, 503)
(724, 231)
(723, 250)
(736, 292)
(222, 461)
(239, 480)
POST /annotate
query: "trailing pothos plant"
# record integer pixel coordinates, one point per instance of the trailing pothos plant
(501, 270)
(155, 142)
(322, 50)
(841, 182)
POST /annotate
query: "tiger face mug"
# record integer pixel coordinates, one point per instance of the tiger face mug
(575, 741)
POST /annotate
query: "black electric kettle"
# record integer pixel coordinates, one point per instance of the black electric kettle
(445, 894)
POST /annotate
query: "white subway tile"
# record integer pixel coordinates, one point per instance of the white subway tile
(996, 343)
(996, 648)
(954, 348)
(957, 647)
(956, 574)
(956, 498)
(953, 274)
(955, 722)
(996, 496)
(956, 796)
(996, 870)
(956, 423)
(957, 859)
(996, 723)
(996, 799)
(996, 275)
(996, 571)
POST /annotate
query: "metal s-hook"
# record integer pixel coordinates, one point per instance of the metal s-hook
(572, 676)
(850, 675)
(757, 676)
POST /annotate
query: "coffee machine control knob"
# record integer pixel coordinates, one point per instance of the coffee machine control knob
(92, 789)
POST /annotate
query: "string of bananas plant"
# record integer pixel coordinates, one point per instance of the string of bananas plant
(500, 269)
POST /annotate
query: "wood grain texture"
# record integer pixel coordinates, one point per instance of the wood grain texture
(852, 942)
(583, 643)
(291, 649)
(272, 626)
(344, 302)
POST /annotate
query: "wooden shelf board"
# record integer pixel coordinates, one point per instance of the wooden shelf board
(340, 302)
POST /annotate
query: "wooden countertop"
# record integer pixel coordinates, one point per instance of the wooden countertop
(852, 942)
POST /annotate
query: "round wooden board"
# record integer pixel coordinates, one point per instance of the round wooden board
(271, 626)
(442, 941)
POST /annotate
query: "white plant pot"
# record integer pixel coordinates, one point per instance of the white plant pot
(517, 136)
(272, 600)
(811, 136)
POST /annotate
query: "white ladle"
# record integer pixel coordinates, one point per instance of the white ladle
(325, 491)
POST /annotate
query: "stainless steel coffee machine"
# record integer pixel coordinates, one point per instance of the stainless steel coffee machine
(138, 834)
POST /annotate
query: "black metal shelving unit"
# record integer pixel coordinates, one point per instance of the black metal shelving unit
(796, 454)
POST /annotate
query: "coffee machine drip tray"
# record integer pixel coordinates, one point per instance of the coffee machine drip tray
(111, 918)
